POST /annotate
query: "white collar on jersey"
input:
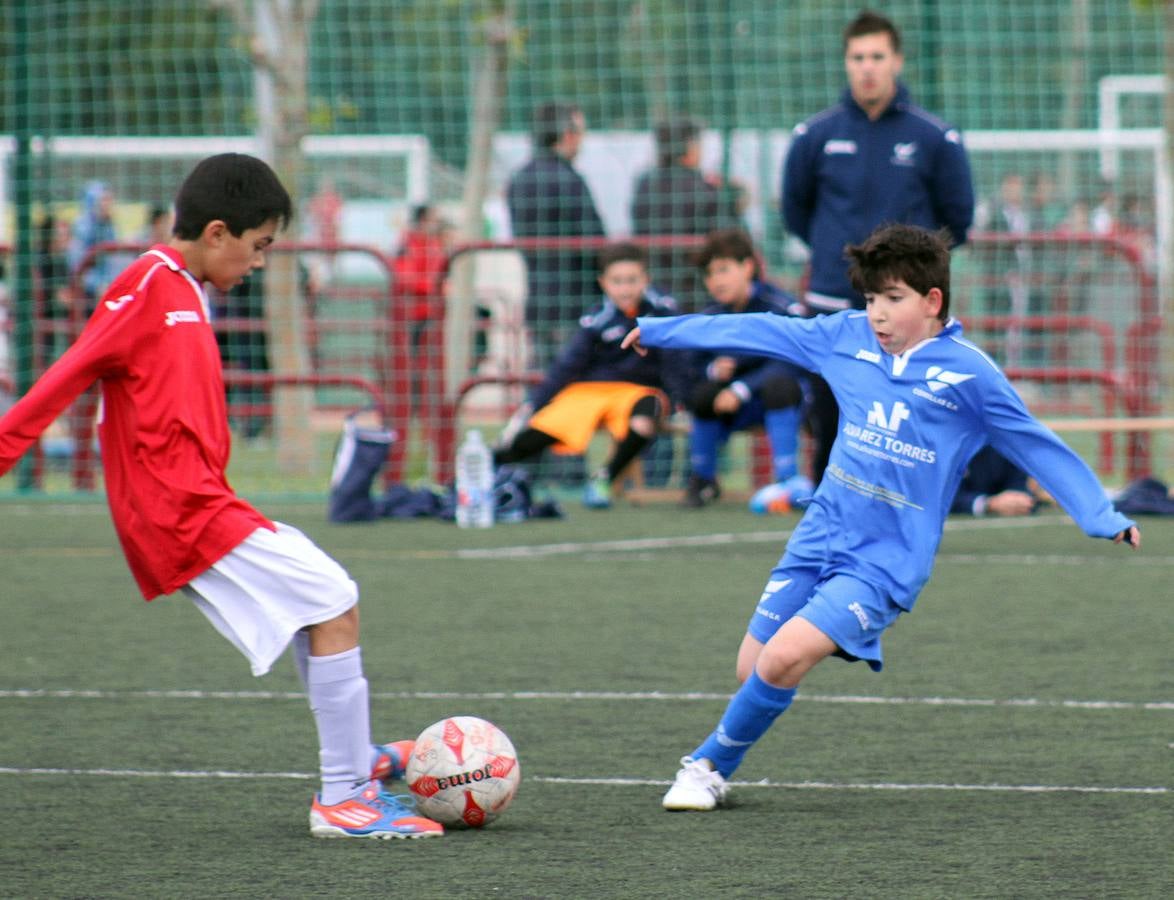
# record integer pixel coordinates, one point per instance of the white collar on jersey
(192, 280)
(901, 361)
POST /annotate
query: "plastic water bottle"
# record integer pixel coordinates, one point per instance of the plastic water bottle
(475, 501)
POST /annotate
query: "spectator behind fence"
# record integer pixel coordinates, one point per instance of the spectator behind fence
(595, 383)
(992, 485)
(1008, 213)
(158, 227)
(675, 198)
(324, 211)
(94, 225)
(1103, 215)
(547, 198)
(53, 237)
(1047, 208)
(875, 157)
(737, 391)
(244, 347)
(7, 380)
(1135, 226)
(420, 267)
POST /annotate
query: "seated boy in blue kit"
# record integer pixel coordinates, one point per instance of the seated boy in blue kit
(594, 382)
(916, 400)
(992, 485)
(736, 391)
(165, 446)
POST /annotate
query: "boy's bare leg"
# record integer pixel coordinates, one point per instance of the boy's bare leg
(789, 655)
(336, 635)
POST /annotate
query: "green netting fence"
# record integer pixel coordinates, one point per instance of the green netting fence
(379, 113)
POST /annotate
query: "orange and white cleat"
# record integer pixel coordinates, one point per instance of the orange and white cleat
(391, 760)
(372, 814)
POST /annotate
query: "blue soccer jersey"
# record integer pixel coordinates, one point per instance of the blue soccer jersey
(908, 426)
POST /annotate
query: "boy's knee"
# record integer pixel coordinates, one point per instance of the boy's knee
(647, 407)
(702, 398)
(335, 635)
(781, 392)
(782, 664)
(642, 425)
(644, 416)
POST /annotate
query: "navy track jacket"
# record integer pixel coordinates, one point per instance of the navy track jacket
(594, 354)
(846, 174)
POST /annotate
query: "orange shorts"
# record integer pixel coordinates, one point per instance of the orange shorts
(575, 413)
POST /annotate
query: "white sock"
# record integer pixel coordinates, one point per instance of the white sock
(338, 699)
(301, 655)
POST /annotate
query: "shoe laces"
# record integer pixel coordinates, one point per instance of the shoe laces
(396, 804)
(698, 774)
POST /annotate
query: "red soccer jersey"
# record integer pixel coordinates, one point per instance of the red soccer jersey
(164, 424)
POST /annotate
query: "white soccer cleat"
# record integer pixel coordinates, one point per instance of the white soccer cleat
(697, 787)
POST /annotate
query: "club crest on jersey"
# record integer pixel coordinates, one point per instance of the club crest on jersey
(773, 587)
(615, 333)
(904, 154)
(938, 379)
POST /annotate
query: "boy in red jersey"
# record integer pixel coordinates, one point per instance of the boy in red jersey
(165, 446)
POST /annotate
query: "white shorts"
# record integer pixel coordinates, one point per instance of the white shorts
(267, 588)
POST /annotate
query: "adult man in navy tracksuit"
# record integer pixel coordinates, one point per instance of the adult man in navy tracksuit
(548, 198)
(873, 158)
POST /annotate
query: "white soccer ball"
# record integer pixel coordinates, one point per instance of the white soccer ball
(463, 772)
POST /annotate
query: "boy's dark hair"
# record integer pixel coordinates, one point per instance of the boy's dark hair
(673, 138)
(552, 121)
(625, 251)
(869, 22)
(729, 243)
(240, 190)
(420, 212)
(916, 256)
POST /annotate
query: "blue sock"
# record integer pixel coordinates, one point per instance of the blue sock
(750, 712)
(704, 442)
(782, 430)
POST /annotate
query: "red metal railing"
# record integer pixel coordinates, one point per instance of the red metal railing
(1133, 386)
(1129, 383)
(384, 389)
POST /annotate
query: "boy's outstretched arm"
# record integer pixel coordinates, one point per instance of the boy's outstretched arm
(632, 340)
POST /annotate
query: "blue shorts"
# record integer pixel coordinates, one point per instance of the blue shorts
(850, 611)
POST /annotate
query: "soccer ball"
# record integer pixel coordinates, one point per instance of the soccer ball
(463, 772)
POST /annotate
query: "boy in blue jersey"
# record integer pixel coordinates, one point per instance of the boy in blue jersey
(739, 391)
(917, 400)
(595, 382)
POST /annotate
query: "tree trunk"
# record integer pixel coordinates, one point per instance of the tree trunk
(489, 85)
(1166, 267)
(281, 50)
(1075, 85)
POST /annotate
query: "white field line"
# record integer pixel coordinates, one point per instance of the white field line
(614, 782)
(681, 696)
(636, 546)
(779, 536)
